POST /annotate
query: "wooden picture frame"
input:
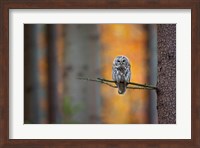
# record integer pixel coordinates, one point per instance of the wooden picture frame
(6, 5)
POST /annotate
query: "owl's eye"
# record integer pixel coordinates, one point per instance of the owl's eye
(118, 61)
(123, 61)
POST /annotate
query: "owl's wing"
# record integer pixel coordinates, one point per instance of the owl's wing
(127, 75)
(117, 77)
(114, 73)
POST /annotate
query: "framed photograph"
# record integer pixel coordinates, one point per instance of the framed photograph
(105, 74)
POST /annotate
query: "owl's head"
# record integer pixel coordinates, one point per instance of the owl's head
(121, 61)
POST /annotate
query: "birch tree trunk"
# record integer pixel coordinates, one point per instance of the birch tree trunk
(166, 101)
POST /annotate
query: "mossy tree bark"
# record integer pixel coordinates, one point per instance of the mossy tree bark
(166, 94)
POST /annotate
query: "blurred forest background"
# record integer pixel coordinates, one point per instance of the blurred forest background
(56, 54)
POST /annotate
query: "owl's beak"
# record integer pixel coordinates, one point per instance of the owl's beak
(121, 63)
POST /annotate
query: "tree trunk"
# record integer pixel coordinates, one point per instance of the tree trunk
(32, 111)
(152, 45)
(166, 102)
(81, 60)
(54, 116)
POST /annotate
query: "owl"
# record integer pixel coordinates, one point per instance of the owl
(121, 73)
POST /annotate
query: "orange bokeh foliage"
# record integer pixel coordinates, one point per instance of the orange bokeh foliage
(129, 40)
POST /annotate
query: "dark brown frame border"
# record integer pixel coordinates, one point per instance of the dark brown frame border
(5, 5)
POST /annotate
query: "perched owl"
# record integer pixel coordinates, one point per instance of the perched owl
(121, 73)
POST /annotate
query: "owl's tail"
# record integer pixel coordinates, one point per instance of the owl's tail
(122, 88)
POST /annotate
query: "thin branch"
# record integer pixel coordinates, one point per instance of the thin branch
(101, 81)
(136, 87)
(104, 81)
(143, 85)
(131, 83)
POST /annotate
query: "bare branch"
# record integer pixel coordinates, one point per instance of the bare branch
(98, 80)
(107, 82)
(136, 87)
(131, 83)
